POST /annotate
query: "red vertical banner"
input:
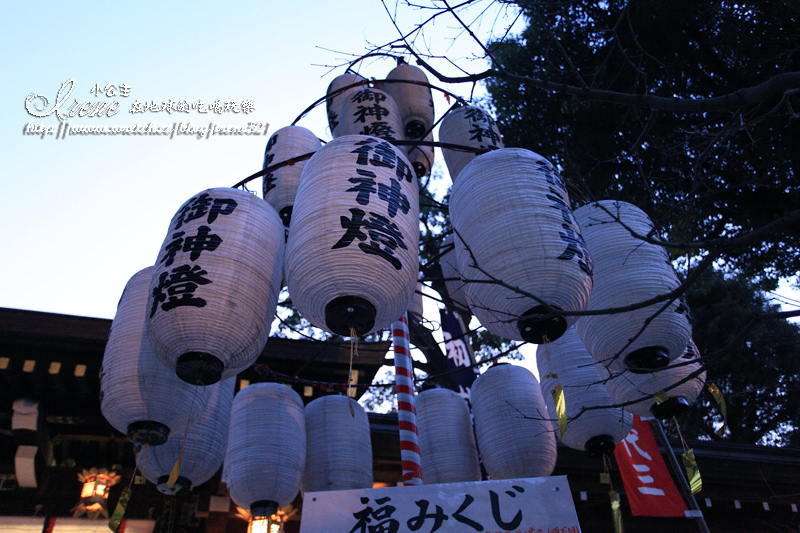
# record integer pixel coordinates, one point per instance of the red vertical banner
(648, 484)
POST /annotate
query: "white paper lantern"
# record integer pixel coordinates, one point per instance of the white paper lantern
(592, 423)
(510, 211)
(421, 157)
(351, 257)
(369, 111)
(415, 307)
(512, 425)
(200, 444)
(338, 91)
(139, 395)
(664, 393)
(628, 270)
(470, 127)
(456, 288)
(280, 185)
(266, 452)
(339, 448)
(414, 99)
(447, 449)
(215, 285)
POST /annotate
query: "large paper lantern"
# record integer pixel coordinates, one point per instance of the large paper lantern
(266, 452)
(351, 257)
(510, 211)
(369, 111)
(664, 393)
(629, 270)
(413, 96)
(339, 90)
(447, 449)
(339, 449)
(512, 426)
(421, 157)
(139, 395)
(469, 127)
(215, 285)
(456, 288)
(200, 445)
(593, 424)
(280, 185)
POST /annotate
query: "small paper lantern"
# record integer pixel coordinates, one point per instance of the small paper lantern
(447, 449)
(139, 395)
(456, 288)
(351, 257)
(592, 423)
(421, 157)
(215, 285)
(664, 393)
(280, 185)
(629, 270)
(200, 444)
(470, 127)
(414, 99)
(339, 449)
(510, 211)
(369, 111)
(338, 91)
(266, 452)
(512, 426)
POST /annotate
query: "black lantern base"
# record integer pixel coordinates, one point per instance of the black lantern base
(148, 432)
(415, 129)
(674, 406)
(534, 328)
(286, 215)
(349, 312)
(645, 360)
(182, 486)
(599, 445)
(419, 169)
(199, 368)
(263, 508)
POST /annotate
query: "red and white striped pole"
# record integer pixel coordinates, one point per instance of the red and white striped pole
(406, 413)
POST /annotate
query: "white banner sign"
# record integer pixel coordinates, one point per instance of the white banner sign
(530, 505)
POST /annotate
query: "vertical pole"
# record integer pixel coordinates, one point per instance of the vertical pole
(677, 471)
(406, 413)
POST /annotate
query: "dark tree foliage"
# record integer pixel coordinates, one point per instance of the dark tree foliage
(752, 356)
(687, 109)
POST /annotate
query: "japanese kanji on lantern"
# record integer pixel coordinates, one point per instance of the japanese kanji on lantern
(200, 445)
(628, 270)
(266, 452)
(338, 445)
(280, 185)
(339, 90)
(592, 423)
(447, 449)
(215, 285)
(513, 223)
(351, 257)
(414, 100)
(664, 393)
(470, 127)
(512, 425)
(369, 111)
(139, 395)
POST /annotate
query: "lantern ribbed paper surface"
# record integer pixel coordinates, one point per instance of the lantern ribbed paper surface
(139, 395)
(200, 445)
(338, 93)
(629, 270)
(510, 211)
(678, 395)
(470, 127)
(266, 452)
(456, 288)
(447, 447)
(280, 185)
(369, 111)
(414, 101)
(215, 285)
(421, 157)
(339, 449)
(512, 426)
(351, 257)
(415, 307)
(592, 424)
